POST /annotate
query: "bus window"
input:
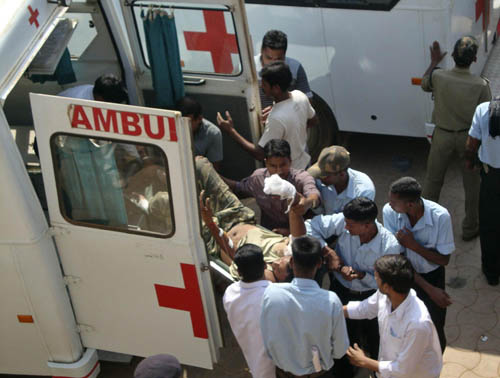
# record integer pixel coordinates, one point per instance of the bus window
(113, 185)
(206, 35)
(385, 5)
(290, 3)
(348, 4)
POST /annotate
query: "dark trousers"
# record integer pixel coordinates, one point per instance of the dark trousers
(438, 314)
(363, 332)
(489, 222)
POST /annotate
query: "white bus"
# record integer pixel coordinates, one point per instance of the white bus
(364, 58)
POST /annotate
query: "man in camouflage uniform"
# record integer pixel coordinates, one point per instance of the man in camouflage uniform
(227, 209)
(456, 94)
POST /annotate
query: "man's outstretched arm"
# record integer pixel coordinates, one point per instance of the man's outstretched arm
(221, 238)
(227, 126)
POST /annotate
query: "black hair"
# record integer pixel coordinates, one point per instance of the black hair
(396, 271)
(407, 188)
(306, 252)
(277, 148)
(188, 106)
(361, 209)
(494, 123)
(110, 88)
(275, 40)
(464, 51)
(250, 262)
(277, 73)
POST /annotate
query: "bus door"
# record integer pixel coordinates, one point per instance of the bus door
(217, 64)
(122, 200)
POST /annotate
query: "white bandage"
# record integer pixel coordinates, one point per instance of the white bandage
(276, 186)
(229, 240)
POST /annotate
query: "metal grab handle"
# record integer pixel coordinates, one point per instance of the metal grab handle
(194, 81)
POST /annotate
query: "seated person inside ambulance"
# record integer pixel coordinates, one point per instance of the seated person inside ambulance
(207, 137)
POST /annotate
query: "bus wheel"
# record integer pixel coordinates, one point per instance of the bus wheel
(326, 132)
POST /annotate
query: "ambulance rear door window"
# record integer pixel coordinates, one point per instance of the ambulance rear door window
(206, 36)
(115, 185)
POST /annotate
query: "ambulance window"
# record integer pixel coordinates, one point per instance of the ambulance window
(113, 185)
(205, 34)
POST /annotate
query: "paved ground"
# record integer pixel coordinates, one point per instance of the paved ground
(472, 329)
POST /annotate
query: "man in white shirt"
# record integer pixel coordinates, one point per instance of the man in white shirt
(107, 88)
(425, 231)
(484, 138)
(361, 240)
(289, 119)
(243, 302)
(409, 345)
(338, 184)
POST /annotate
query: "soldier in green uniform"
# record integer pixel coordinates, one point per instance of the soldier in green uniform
(456, 93)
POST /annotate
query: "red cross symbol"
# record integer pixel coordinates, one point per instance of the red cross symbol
(216, 40)
(188, 299)
(33, 15)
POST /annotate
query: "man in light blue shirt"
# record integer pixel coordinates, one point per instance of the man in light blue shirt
(484, 136)
(361, 241)
(425, 231)
(303, 326)
(338, 184)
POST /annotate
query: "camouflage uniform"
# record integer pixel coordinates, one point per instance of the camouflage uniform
(227, 209)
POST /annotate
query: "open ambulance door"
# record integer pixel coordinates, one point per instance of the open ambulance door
(217, 64)
(122, 199)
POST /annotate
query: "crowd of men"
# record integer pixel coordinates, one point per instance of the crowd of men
(385, 306)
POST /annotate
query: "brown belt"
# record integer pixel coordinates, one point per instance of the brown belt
(284, 374)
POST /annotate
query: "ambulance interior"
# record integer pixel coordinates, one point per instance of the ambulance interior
(116, 201)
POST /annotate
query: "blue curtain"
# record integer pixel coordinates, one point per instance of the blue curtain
(164, 57)
(91, 187)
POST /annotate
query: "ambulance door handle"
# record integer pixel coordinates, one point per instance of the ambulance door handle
(204, 267)
(194, 81)
(80, 328)
(71, 280)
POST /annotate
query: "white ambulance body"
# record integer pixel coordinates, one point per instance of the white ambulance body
(82, 267)
(365, 58)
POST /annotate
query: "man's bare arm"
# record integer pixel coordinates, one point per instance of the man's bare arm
(229, 182)
(221, 238)
(436, 57)
(407, 240)
(295, 218)
(227, 126)
(471, 148)
(438, 296)
(314, 121)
